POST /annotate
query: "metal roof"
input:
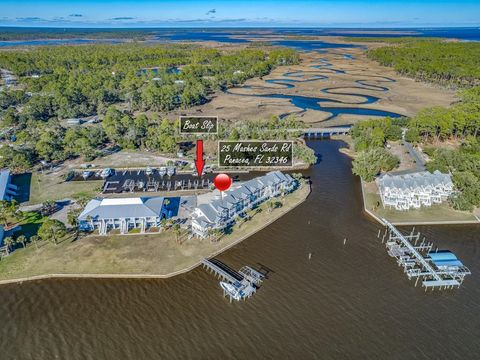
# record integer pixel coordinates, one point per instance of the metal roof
(444, 258)
(123, 208)
(414, 180)
(212, 210)
(442, 255)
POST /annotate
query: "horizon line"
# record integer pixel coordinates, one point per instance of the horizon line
(247, 27)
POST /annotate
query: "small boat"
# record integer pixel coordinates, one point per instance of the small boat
(106, 173)
(162, 171)
(195, 172)
(149, 171)
(231, 290)
(171, 170)
(87, 174)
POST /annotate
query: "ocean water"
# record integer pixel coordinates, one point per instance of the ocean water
(231, 35)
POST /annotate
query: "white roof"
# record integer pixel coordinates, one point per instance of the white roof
(212, 210)
(120, 208)
(414, 180)
(121, 201)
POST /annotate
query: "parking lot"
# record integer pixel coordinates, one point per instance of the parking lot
(138, 181)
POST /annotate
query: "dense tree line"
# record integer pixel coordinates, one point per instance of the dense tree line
(52, 142)
(369, 163)
(464, 165)
(449, 63)
(369, 138)
(458, 124)
(18, 33)
(274, 128)
(72, 81)
(438, 123)
(374, 133)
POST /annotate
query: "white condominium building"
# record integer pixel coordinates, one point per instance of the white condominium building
(404, 192)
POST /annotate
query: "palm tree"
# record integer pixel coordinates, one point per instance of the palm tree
(22, 239)
(52, 230)
(14, 210)
(8, 241)
(34, 239)
(163, 223)
(271, 206)
(72, 217)
(177, 231)
(3, 219)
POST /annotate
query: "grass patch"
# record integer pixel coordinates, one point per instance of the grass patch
(31, 223)
(37, 188)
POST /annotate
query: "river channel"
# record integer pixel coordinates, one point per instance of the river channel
(349, 301)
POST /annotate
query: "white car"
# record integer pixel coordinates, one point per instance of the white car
(149, 171)
(106, 173)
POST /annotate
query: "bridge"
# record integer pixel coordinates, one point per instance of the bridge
(320, 133)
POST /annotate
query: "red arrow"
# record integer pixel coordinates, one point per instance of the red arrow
(199, 162)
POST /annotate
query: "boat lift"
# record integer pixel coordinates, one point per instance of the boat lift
(236, 285)
(419, 262)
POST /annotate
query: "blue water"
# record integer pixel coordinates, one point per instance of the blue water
(304, 103)
(314, 103)
(182, 35)
(226, 35)
(311, 45)
(462, 33)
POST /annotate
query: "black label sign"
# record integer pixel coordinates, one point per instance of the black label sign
(198, 124)
(255, 153)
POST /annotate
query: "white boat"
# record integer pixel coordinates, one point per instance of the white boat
(106, 173)
(87, 174)
(231, 290)
(162, 171)
(171, 170)
(149, 171)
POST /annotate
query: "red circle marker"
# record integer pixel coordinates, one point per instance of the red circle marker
(222, 182)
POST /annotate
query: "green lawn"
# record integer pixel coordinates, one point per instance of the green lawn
(37, 187)
(31, 224)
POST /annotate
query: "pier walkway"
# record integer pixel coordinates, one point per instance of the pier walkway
(436, 269)
(221, 270)
(242, 284)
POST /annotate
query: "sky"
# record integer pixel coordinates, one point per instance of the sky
(240, 13)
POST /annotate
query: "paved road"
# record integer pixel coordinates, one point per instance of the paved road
(416, 157)
(419, 162)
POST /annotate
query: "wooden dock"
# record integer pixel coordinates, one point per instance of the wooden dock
(244, 282)
(411, 254)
